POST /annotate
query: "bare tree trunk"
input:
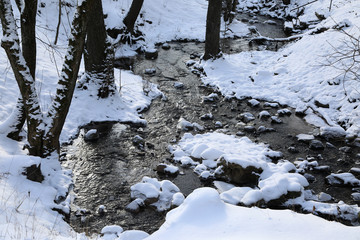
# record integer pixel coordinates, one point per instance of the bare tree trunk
(10, 43)
(132, 15)
(28, 43)
(230, 6)
(58, 25)
(212, 38)
(98, 54)
(44, 132)
(18, 117)
(28, 40)
(60, 107)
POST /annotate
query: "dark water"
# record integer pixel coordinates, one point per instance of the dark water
(104, 170)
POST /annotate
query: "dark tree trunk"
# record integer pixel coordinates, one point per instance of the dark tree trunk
(10, 42)
(95, 41)
(98, 56)
(58, 25)
(44, 132)
(230, 6)
(132, 15)
(28, 40)
(28, 43)
(212, 38)
(60, 107)
(18, 116)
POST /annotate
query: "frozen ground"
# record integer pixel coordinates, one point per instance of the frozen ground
(26, 207)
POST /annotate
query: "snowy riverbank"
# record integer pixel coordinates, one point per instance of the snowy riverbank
(291, 76)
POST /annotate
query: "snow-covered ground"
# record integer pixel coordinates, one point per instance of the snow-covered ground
(203, 215)
(297, 75)
(26, 207)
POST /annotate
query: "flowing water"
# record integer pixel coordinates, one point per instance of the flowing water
(105, 169)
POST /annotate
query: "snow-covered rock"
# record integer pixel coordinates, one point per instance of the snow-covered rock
(332, 133)
(253, 103)
(155, 193)
(342, 179)
(305, 137)
(91, 135)
(163, 168)
(112, 230)
(184, 125)
(247, 117)
(263, 115)
(211, 97)
(242, 161)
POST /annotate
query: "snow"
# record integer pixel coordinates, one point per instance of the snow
(144, 190)
(116, 232)
(305, 137)
(184, 125)
(332, 132)
(301, 76)
(169, 20)
(253, 102)
(171, 169)
(177, 199)
(234, 195)
(300, 81)
(264, 114)
(324, 197)
(217, 149)
(112, 229)
(343, 178)
(204, 216)
(161, 193)
(25, 206)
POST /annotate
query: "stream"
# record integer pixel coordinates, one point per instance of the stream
(103, 171)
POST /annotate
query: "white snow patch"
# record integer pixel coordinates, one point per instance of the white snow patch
(204, 216)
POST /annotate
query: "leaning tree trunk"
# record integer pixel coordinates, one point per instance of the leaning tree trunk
(28, 42)
(212, 38)
(132, 15)
(44, 132)
(10, 42)
(17, 117)
(66, 85)
(99, 55)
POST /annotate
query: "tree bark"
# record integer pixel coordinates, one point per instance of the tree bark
(132, 15)
(229, 8)
(28, 40)
(28, 43)
(18, 117)
(60, 107)
(58, 25)
(11, 44)
(44, 132)
(212, 38)
(98, 55)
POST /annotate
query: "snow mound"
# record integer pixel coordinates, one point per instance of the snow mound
(160, 194)
(203, 215)
(242, 162)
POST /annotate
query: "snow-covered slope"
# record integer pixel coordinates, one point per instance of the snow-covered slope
(298, 74)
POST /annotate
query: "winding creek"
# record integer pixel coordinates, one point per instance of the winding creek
(104, 170)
